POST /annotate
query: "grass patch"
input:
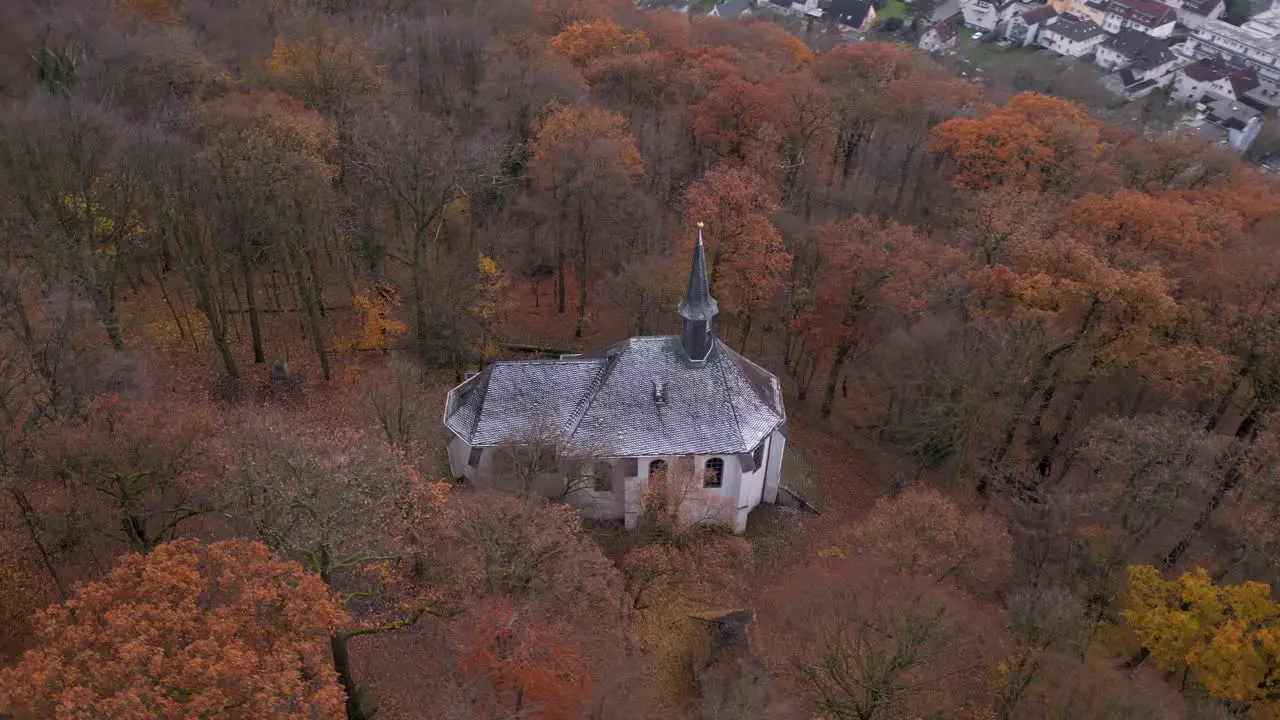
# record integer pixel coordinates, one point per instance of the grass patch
(892, 9)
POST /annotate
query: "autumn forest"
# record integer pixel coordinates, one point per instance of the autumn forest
(1031, 363)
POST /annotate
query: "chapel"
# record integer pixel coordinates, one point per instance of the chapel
(612, 421)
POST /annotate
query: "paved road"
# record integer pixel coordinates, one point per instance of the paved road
(946, 10)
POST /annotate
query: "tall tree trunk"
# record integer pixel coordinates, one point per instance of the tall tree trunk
(1045, 465)
(342, 664)
(582, 273)
(419, 290)
(251, 302)
(560, 279)
(1245, 434)
(842, 354)
(746, 332)
(1245, 369)
(110, 320)
(29, 519)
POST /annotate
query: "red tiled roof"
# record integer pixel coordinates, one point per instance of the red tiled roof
(1038, 15)
(1243, 80)
(1207, 70)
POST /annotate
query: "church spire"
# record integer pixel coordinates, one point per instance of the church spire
(698, 308)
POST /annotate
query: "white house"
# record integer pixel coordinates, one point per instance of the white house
(1071, 35)
(1193, 13)
(1024, 28)
(987, 15)
(1144, 63)
(613, 421)
(940, 36)
(1255, 44)
(1228, 121)
(1212, 75)
(1146, 16)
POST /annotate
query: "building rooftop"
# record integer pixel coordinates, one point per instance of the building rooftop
(687, 394)
(1143, 51)
(848, 12)
(1074, 28)
(1264, 97)
(1201, 7)
(1228, 113)
(1148, 13)
(640, 398)
(945, 30)
(1038, 14)
(734, 8)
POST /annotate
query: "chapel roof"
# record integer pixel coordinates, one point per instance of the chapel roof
(646, 396)
(642, 397)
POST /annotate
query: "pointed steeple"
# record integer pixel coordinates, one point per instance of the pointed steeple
(698, 308)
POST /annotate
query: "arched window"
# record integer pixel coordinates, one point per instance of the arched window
(715, 473)
(657, 467)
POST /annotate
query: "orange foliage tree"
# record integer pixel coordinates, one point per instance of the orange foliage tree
(217, 631)
(1034, 141)
(531, 664)
(584, 43)
(747, 259)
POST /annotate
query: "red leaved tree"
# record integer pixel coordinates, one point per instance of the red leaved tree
(217, 631)
(869, 270)
(747, 259)
(532, 664)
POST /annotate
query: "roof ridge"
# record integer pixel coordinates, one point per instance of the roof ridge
(611, 361)
(724, 378)
(485, 374)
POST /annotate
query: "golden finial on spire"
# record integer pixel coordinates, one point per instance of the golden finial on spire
(701, 225)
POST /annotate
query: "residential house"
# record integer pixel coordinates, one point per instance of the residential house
(1264, 97)
(732, 9)
(683, 410)
(1193, 13)
(1227, 121)
(1143, 62)
(987, 15)
(1255, 44)
(1071, 35)
(848, 14)
(1146, 16)
(1023, 28)
(1212, 75)
(940, 37)
(1095, 10)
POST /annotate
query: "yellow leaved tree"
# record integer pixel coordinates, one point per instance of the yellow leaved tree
(1225, 637)
(490, 303)
(377, 327)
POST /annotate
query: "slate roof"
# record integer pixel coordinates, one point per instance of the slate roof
(1143, 51)
(849, 12)
(1074, 28)
(732, 8)
(1207, 69)
(605, 404)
